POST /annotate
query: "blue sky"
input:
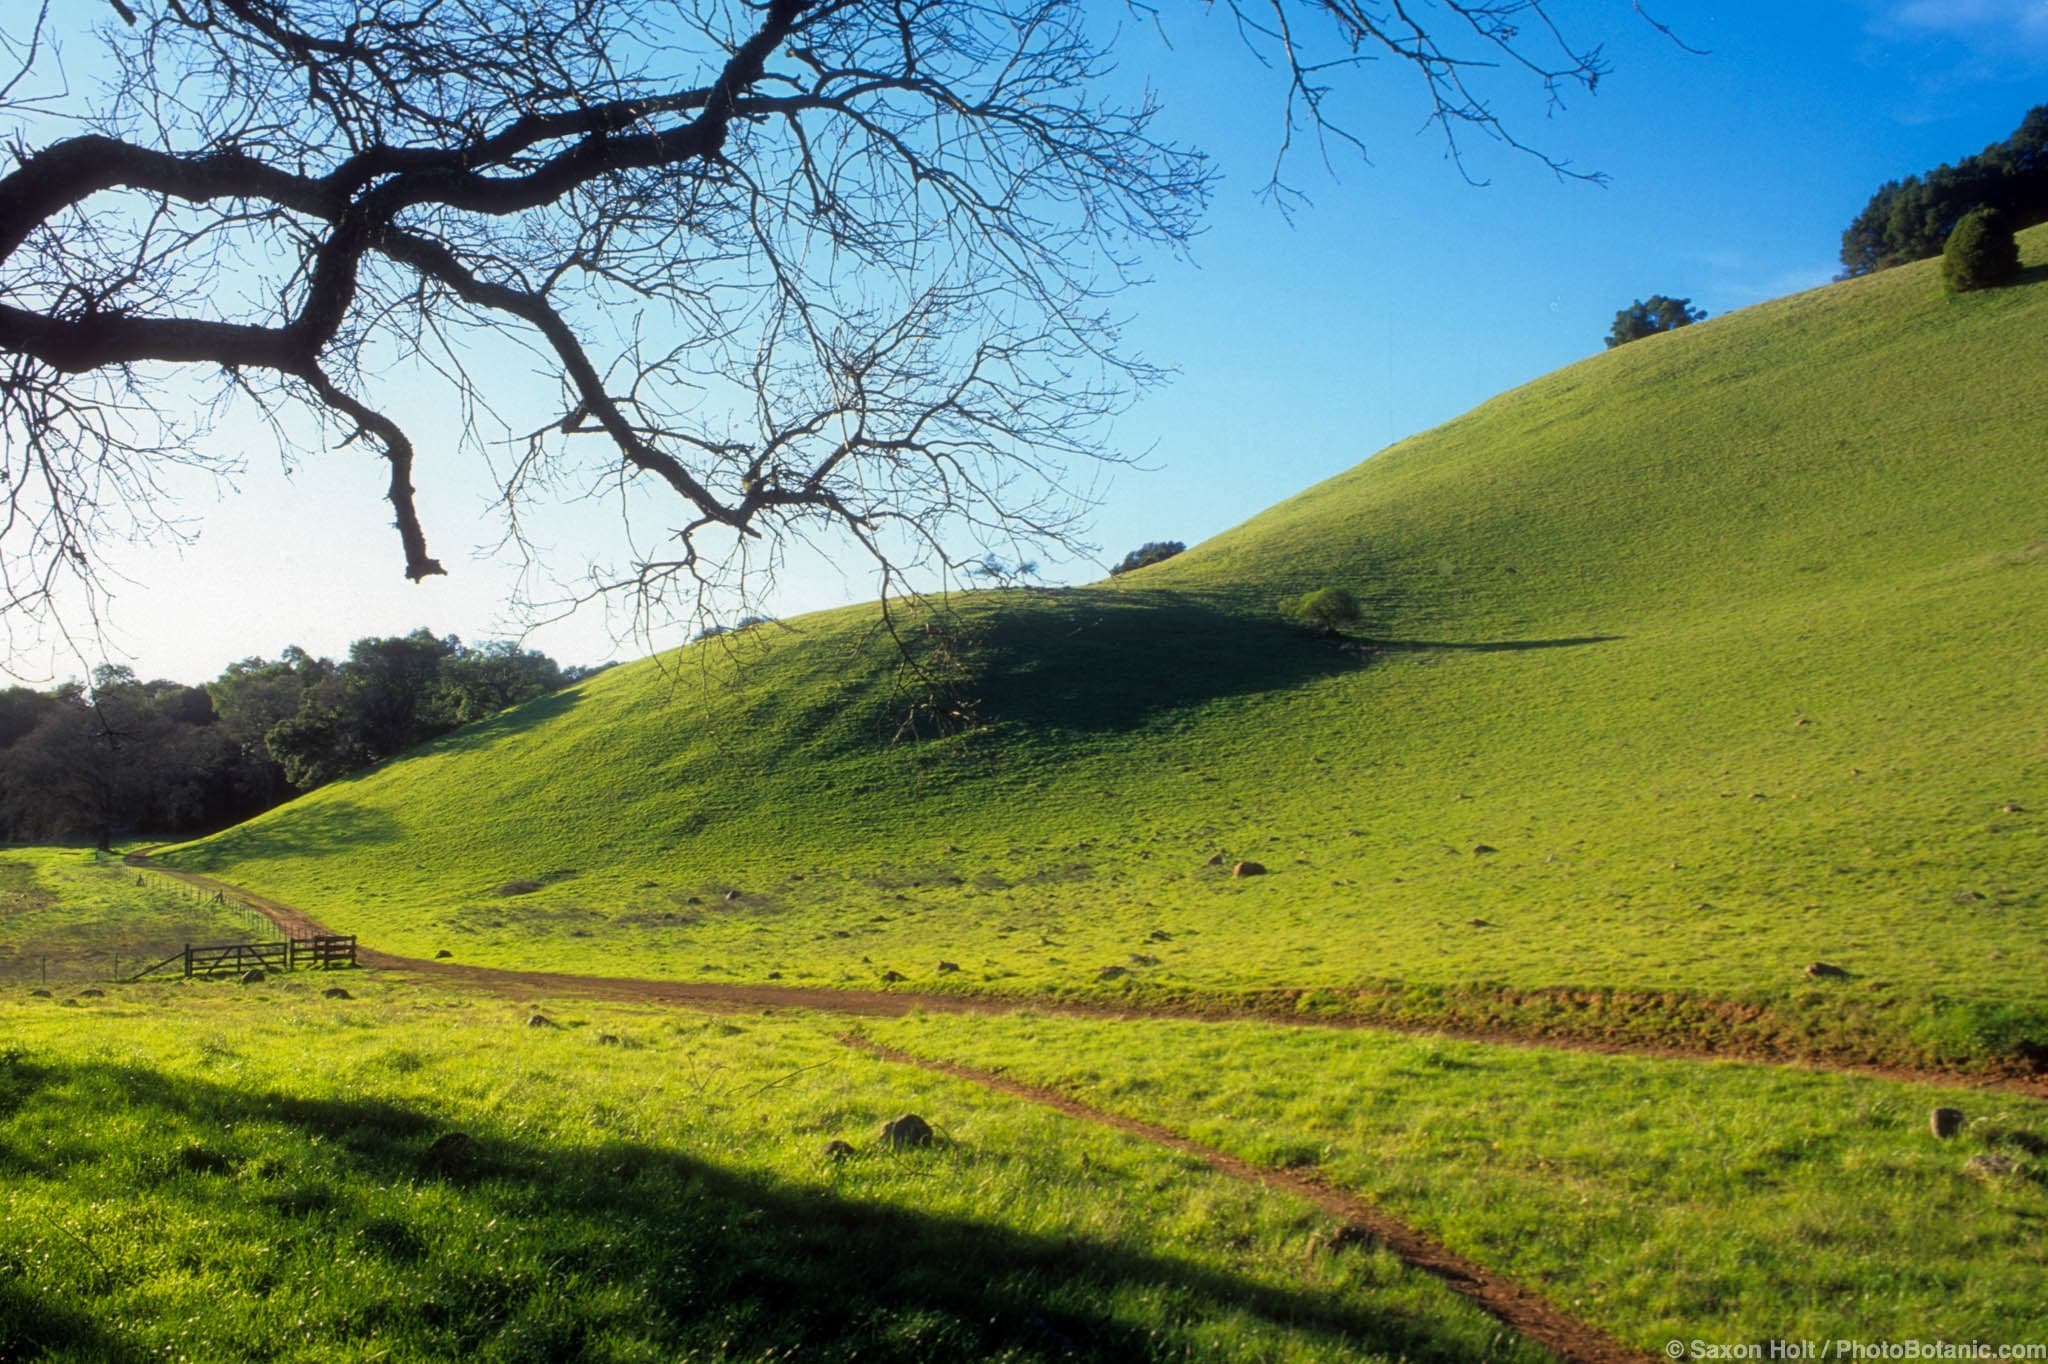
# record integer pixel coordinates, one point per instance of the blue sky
(1400, 297)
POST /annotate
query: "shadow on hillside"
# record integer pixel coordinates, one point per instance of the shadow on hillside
(671, 1253)
(506, 724)
(1091, 660)
(1109, 660)
(1496, 646)
(304, 828)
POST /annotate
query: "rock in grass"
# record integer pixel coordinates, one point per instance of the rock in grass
(335, 992)
(253, 976)
(891, 977)
(92, 994)
(1991, 1167)
(1111, 973)
(1249, 869)
(1945, 1122)
(443, 955)
(39, 994)
(906, 1133)
(836, 1150)
(1349, 1236)
(608, 1039)
(540, 1021)
(1822, 970)
(947, 968)
(450, 1153)
(1484, 850)
(1215, 860)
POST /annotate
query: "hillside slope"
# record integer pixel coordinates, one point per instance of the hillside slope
(1687, 666)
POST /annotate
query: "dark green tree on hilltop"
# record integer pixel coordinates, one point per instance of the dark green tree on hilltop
(1910, 219)
(1647, 317)
(1980, 253)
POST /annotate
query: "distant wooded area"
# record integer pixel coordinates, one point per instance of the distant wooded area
(120, 754)
(1910, 219)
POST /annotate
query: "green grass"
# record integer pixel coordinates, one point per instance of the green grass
(1726, 642)
(217, 1172)
(1660, 1199)
(70, 914)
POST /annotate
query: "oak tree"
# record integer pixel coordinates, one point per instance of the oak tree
(789, 269)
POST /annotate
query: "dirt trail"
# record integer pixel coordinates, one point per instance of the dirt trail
(897, 1003)
(1521, 1309)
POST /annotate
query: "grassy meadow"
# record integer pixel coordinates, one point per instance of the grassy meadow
(1684, 668)
(1660, 1199)
(208, 1171)
(1698, 704)
(69, 915)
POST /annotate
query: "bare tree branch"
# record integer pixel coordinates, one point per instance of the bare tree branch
(831, 271)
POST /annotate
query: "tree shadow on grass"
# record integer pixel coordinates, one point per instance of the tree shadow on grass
(329, 826)
(624, 1243)
(507, 724)
(1104, 660)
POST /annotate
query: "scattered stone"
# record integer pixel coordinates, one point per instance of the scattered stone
(443, 955)
(1248, 869)
(1159, 935)
(947, 968)
(1111, 973)
(92, 994)
(2013, 807)
(775, 975)
(906, 1133)
(1969, 897)
(541, 1021)
(1484, 850)
(1945, 1122)
(892, 976)
(68, 1003)
(836, 1149)
(1140, 959)
(335, 992)
(1479, 923)
(608, 1039)
(39, 994)
(732, 895)
(1215, 860)
(952, 847)
(253, 976)
(693, 900)
(1822, 970)
(1991, 1167)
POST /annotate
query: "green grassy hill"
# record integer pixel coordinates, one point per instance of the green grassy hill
(1692, 664)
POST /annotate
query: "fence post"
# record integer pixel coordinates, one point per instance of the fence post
(188, 961)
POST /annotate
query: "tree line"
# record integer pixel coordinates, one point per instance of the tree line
(1910, 219)
(120, 754)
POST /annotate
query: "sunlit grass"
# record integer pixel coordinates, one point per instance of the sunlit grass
(1661, 1199)
(1726, 644)
(69, 915)
(217, 1171)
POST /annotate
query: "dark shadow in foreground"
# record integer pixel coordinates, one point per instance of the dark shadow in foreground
(599, 1247)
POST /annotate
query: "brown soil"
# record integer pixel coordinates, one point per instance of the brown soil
(1275, 1008)
(1521, 1309)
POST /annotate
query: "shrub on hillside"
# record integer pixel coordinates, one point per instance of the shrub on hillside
(1650, 316)
(1324, 609)
(1156, 551)
(1980, 252)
